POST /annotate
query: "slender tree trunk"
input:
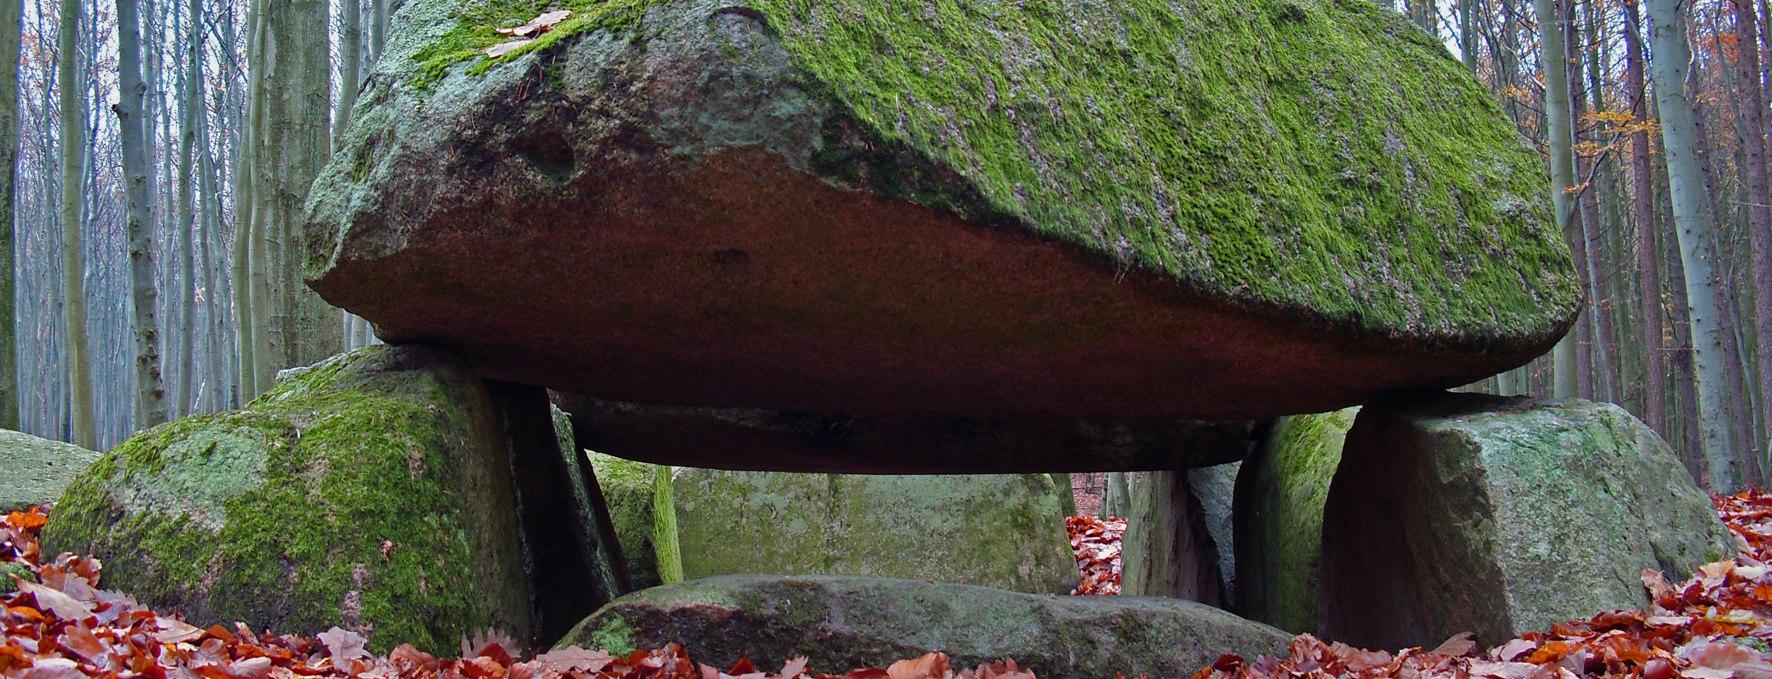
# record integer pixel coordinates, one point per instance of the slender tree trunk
(1643, 214)
(1556, 107)
(82, 424)
(150, 394)
(1692, 222)
(246, 313)
(190, 101)
(11, 31)
(1467, 33)
(1753, 139)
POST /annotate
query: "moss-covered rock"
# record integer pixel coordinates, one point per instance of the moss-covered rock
(1217, 209)
(640, 505)
(842, 623)
(1003, 531)
(372, 492)
(33, 471)
(1279, 518)
(1462, 512)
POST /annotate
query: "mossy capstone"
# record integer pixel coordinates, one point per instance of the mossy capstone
(1469, 513)
(1201, 209)
(372, 492)
(844, 623)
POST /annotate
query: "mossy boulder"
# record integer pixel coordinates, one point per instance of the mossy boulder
(1196, 209)
(640, 505)
(1279, 518)
(754, 439)
(843, 623)
(373, 492)
(1463, 512)
(1004, 531)
(34, 471)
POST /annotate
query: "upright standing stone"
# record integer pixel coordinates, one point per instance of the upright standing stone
(1003, 531)
(642, 510)
(1461, 512)
(1279, 518)
(372, 491)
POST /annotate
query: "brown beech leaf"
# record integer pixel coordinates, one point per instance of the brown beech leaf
(1460, 644)
(53, 601)
(930, 666)
(575, 659)
(343, 645)
(504, 48)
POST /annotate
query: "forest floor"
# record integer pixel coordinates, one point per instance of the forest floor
(58, 624)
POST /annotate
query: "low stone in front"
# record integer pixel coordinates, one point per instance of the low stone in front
(842, 623)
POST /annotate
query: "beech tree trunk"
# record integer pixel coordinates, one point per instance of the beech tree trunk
(1692, 223)
(150, 394)
(1562, 162)
(82, 425)
(1643, 215)
(11, 30)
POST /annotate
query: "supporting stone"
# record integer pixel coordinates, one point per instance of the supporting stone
(1279, 518)
(1004, 531)
(1460, 512)
(1168, 549)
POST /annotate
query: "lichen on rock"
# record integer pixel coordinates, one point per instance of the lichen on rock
(372, 492)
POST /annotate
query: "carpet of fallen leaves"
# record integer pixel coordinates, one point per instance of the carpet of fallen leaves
(1707, 627)
(59, 624)
(1097, 544)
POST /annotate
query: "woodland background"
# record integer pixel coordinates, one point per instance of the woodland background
(157, 153)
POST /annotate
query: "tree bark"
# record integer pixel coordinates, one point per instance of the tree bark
(11, 31)
(82, 425)
(1753, 139)
(1667, 33)
(150, 394)
(1562, 163)
(1643, 215)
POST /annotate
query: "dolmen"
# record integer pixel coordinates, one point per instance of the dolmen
(853, 236)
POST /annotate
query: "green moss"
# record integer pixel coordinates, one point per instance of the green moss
(664, 516)
(1278, 150)
(615, 637)
(478, 22)
(333, 499)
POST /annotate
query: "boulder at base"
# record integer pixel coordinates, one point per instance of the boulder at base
(1279, 518)
(640, 505)
(1183, 209)
(372, 491)
(33, 471)
(1461, 512)
(842, 623)
(1003, 531)
(765, 440)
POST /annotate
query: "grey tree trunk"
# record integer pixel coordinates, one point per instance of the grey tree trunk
(1643, 214)
(1562, 162)
(1691, 215)
(11, 30)
(190, 99)
(83, 427)
(150, 394)
(291, 142)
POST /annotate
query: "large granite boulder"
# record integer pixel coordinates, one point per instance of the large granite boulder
(373, 491)
(1279, 518)
(1004, 531)
(1199, 209)
(1461, 512)
(33, 471)
(763, 440)
(842, 623)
